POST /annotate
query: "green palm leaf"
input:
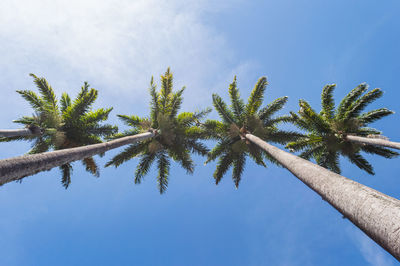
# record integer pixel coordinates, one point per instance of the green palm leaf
(237, 120)
(237, 103)
(163, 171)
(46, 91)
(256, 96)
(177, 135)
(328, 103)
(327, 131)
(349, 100)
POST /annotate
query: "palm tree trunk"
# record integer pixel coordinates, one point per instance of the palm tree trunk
(373, 141)
(375, 213)
(16, 132)
(18, 167)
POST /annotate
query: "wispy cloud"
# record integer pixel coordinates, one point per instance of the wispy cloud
(115, 44)
(372, 253)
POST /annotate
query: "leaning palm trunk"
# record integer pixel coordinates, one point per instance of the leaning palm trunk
(373, 141)
(375, 213)
(19, 167)
(17, 132)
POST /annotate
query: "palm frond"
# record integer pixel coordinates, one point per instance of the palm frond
(277, 120)
(256, 97)
(283, 137)
(130, 120)
(9, 139)
(218, 150)
(102, 130)
(222, 109)
(301, 123)
(154, 102)
(66, 170)
(361, 162)
(327, 101)
(33, 99)
(266, 112)
(185, 119)
(313, 118)
(163, 165)
(362, 102)
(374, 115)
(65, 102)
(214, 128)
(256, 154)
(237, 103)
(197, 147)
(97, 115)
(26, 120)
(176, 103)
(195, 132)
(330, 160)
(303, 143)
(349, 99)
(128, 153)
(166, 89)
(40, 145)
(91, 166)
(180, 154)
(80, 106)
(365, 131)
(312, 152)
(143, 167)
(46, 91)
(223, 165)
(384, 152)
(238, 167)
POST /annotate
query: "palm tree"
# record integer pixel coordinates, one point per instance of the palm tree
(342, 131)
(44, 118)
(375, 213)
(70, 124)
(177, 134)
(232, 148)
(14, 169)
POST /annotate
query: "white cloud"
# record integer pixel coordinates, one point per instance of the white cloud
(115, 45)
(371, 252)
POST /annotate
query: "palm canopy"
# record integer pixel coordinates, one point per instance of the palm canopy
(177, 135)
(64, 123)
(327, 130)
(237, 120)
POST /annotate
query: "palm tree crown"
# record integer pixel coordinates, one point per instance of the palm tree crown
(238, 119)
(327, 131)
(64, 124)
(176, 134)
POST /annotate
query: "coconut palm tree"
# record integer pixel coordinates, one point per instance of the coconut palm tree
(342, 131)
(177, 134)
(64, 125)
(232, 148)
(375, 213)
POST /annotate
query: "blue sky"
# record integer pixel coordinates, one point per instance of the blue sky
(272, 219)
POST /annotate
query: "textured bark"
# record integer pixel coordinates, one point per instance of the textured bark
(16, 132)
(374, 141)
(375, 213)
(21, 166)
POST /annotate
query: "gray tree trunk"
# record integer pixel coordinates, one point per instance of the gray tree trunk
(374, 141)
(16, 132)
(375, 213)
(18, 167)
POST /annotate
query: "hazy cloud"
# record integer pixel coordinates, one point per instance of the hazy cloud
(115, 45)
(372, 253)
